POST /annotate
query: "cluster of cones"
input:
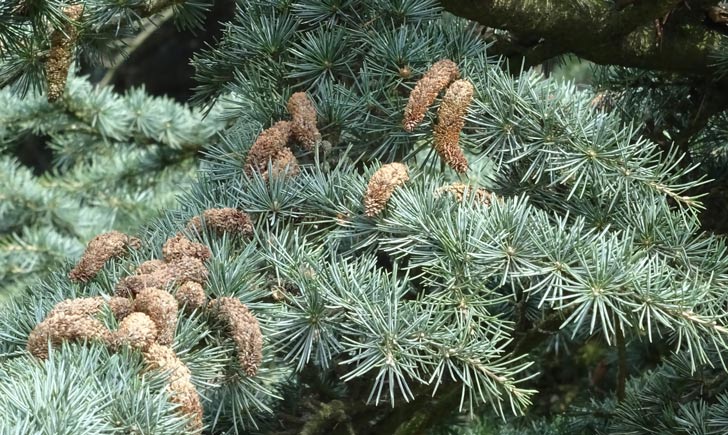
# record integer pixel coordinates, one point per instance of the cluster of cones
(444, 74)
(271, 150)
(273, 144)
(146, 311)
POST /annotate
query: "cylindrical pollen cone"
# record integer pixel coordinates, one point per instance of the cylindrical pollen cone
(131, 285)
(180, 246)
(223, 220)
(283, 164)
(303, 122)
(441, 74)
(189, 269)
(244, 329)
(149, 266)
(270, 142)
(182, 391)
(161, 307)
(60, 55)
(121, 307)
(382, 185)
(450, 122)
(63, 327)
(99, 250)
(136, 330)
(191, 295)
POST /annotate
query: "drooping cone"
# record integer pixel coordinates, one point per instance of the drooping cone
(382, 185)
(182, 391)
(450, 122)
(223, 220)
(99, 250)
(441, 74)
(65, 327)
(244, 329)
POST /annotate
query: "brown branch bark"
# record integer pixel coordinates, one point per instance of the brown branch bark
(666, 35)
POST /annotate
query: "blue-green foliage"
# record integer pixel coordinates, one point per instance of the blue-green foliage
(591, 237)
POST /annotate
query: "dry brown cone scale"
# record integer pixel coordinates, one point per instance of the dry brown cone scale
(450, 122)
(60, 55)
(147, 315)
(382, 185)
(441, 74)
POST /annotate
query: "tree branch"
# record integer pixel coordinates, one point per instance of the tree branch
(667, 35)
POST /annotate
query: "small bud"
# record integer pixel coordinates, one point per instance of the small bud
(244, 329)
(303, 122)
(99, 250)
(423, 95)
(382, 185)
(450, 121)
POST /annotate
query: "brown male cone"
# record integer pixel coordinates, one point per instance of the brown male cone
(65, 327)
(244, 330)
(191, 295)
(382, 185)
(283, 163)
(137, 330)
(441, 74)
(223, 220)
(179, 377)
(60, 54)
(184, 262)
(121, 307)
(303, 120)
(450, 122)
(99, 250)
(161, 307)
(267, 147)
(180, 246)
